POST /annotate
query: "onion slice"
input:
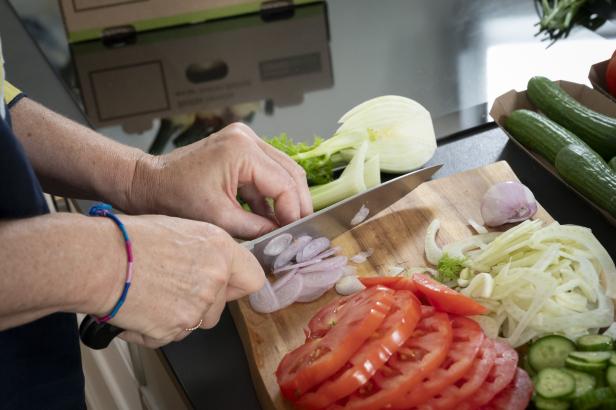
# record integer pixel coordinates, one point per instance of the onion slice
(349, 285)
(290, 291)
(361, 257)
(264, 300)
(283, 280)
(289, 253)
(296, 266)
(325, 265)
(312, 249)
(325, 278)
(360, 216)
(329, 252)
(310, 294)
(476, 226)
(278, 244)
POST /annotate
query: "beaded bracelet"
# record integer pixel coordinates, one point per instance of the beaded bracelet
(106, 210)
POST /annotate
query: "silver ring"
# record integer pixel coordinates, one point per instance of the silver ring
(190, 329)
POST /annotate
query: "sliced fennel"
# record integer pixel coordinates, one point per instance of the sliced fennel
(398, 129)
(351, 182)
(537, 279)
(372, 172)
(433, 251)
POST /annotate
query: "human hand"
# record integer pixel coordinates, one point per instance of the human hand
(201, 181)
(185, 271)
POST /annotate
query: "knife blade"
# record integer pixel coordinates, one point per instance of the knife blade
(336, 219)
(329, 222)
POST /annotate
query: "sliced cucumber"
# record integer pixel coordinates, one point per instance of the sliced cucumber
(613, 359)
(584, 382)
(610, 375)
(554, 384)
(595, 399)
(550, 351)
(592, 357)
(550, 404)
(584, 366)
(593, 343)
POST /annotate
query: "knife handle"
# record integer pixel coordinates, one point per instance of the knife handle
(97, 335)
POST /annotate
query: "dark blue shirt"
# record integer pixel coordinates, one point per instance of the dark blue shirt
(40, 362)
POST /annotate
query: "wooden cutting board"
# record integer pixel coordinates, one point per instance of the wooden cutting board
(397, 237)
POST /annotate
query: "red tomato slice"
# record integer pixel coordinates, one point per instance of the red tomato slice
(320, 357)
(467, 340)
(393, 332)
(499, 377)
(462, 389)
(422, 353)
(516, 396)
(446, 299)
(393, 282)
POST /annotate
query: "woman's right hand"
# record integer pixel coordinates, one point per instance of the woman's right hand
(184, 272)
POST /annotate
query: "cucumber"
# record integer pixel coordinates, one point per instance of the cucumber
(595, 399)
(584, 382)
(584, 366)
(597, 130)
(612, 163)
(588, 173)
(539, 133)
(613, 360)
(554, 384)
(595, 343)
(592, 357)
(550, 404)
(549, 351)
(610, 375)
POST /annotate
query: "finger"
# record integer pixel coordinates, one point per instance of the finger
(213, 313)
(258, 204)
(273, 181)
(182, 335)
(246, 274)
(240, 223)
(296, 172)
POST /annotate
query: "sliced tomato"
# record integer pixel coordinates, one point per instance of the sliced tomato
(467, 340)
(422, 353)
(610, 75)
(320, 357)
(454, 394)
(499, 377)
(329, 315)
(515, 396)
(446, 299)
(393, 333)
(393, 282)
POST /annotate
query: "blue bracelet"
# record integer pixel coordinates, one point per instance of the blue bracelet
(106, 210)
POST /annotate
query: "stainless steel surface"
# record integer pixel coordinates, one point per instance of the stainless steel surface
(336, 219)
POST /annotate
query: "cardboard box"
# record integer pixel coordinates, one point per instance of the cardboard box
(596, 75)
(513, 100)
(205, 67)
(91, 19)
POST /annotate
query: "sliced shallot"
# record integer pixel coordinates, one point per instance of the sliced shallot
(394, 271)
(312, 249)
(289, 253)
(283, 279)
(326, 278)
(361, 257)
(296, 266)
(325, 265)
(264, 300)
(349, 270)
(290, 291)
(310, 294)
(360, 216)
(278, 244)
(349, 285)
(330, 252)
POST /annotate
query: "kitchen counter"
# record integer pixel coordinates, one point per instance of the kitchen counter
(211, 366)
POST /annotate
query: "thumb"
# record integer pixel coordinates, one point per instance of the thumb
(243, 224)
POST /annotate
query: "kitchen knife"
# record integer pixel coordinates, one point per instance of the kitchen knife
(329, 222)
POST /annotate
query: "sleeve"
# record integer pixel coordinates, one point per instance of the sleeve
(11, 94)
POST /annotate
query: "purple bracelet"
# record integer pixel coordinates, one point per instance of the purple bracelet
(106, 210)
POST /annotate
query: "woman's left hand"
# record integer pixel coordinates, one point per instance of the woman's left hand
(201, 181)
